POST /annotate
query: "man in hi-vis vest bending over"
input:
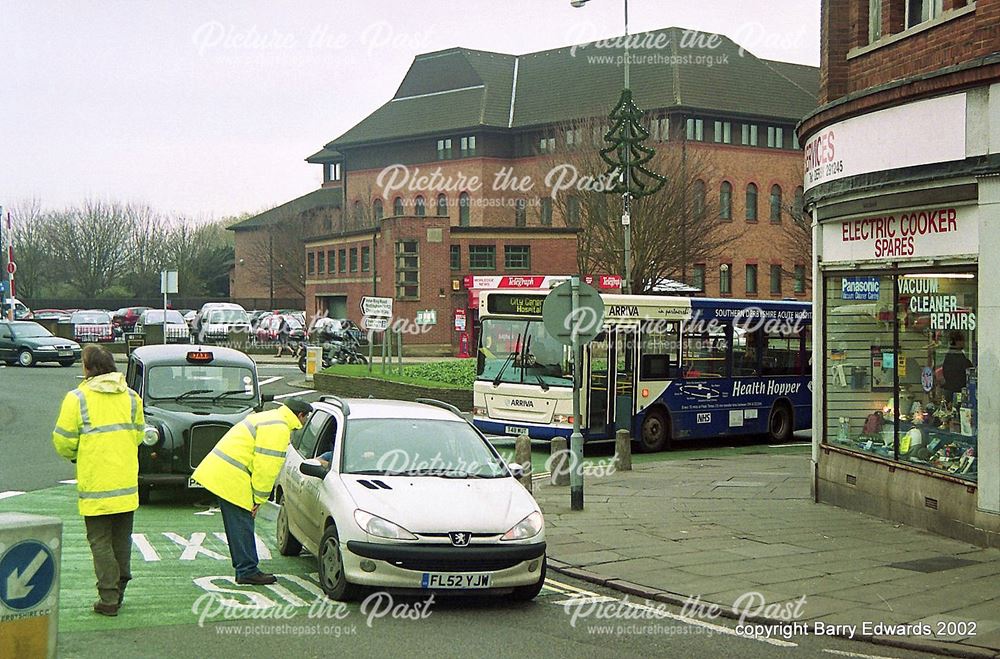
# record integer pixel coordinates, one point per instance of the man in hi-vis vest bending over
(241, 471)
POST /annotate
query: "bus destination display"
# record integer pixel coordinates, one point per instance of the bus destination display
(516, 305)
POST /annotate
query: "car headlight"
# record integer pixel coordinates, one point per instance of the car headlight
(381, 528)
(151, 436)
(528, 527)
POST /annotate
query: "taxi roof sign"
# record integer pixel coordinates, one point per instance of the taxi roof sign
(200, 356)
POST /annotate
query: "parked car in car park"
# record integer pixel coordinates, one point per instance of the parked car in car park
(191, 397)
(92, 326)
(357, 491)
(27, 343)
(176, 330)
(268, 328)
(217, 320)
(126, 318)
(60, 315)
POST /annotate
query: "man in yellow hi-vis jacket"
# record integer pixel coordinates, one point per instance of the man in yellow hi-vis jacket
(241, 471)
(100, 427)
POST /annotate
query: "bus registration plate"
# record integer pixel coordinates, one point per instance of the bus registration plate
(515, 430)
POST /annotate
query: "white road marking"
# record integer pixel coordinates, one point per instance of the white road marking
(10, 493)
(270, 380)
(193, 546)
(262, 551)
(844, 653)
(145, 548)
(295, 393)
(789, 446)
(591, 597)
(72, 481)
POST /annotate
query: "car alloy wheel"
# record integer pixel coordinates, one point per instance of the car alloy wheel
(332, 579)
(25, 358)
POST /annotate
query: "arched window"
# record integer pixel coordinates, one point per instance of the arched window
(377, 210)
(726, 200)
(775, 204)
(751, 203)
(520, 214)
(397, 206)
(419, 209)
(547, 212)
(463, 209)
(699, 199)
(442, 205)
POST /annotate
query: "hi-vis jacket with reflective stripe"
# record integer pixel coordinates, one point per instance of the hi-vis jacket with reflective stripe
(245, 463)
(100, 426)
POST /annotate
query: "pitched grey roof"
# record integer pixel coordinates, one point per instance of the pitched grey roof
(322, 198)
(459, 88)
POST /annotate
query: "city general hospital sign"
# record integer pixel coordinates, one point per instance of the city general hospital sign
(910, 233)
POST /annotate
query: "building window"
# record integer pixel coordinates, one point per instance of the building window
(442, 205)
(332, 171)
(698, 277)
(320, 262)
(546, 206)
(749, 137)
(695, 129)
(598, 133)
(574, 137)
(377, 210)
(444, 149)
(407, 270)
(463, 209)
(520, 213)
(354, 259)
(468, 146)
(331, 261)
(775, 204)
(661, 129)
(775, 279)
(724, 132)
(751, 203)
(800, 279)
(366, 259)
(775, 137)
(482, 257)
(573, 211)
(874, 20)
(358, 214)
(699, 200)
(795, 140)
(751, 279)
(311, 263)
(726, 200)
(419, 209)
(547, 145)
(919, 11)
(456, 257)
(342, 260)
(397, 206)
(726, 279)
(517, 257)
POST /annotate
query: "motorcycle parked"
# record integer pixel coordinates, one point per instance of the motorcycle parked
(340, 349)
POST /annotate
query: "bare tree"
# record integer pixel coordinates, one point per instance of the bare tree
(148, 250)
(797, 235)
(30, 226)
(276, 255)
(90, 244)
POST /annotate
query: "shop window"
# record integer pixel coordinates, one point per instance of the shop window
(407, 270)
(901, 368)
(456, 257)
(517, 257)
(482, 257)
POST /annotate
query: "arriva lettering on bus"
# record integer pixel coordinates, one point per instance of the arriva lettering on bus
(623, 310)
(769, 388)
(519, 402)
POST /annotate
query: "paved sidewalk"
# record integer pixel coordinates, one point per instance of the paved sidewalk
(721, 528)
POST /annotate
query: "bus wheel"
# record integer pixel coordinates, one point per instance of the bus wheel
(779, 424)
(655, 433)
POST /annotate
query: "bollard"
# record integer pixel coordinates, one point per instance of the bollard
(559, 463)
(30, 549)
(623, 451)
(522, 456)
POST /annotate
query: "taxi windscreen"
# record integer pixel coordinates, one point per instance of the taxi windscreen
(200, 381)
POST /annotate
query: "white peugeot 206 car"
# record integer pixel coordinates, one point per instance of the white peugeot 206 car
(402, 495)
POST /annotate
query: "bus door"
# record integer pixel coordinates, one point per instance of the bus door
(625, 341)
(596, 386)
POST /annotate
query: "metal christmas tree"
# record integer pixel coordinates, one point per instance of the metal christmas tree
(627, 156)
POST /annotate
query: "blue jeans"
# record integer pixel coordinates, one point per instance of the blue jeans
(240, 536)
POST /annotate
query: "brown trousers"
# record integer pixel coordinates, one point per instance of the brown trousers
(110, 538)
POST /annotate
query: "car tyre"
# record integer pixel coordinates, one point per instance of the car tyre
(779, 424)
(26, 358)
(655, 432)
(529, 592)
(302, 363)
(287, 544)
(332, 579)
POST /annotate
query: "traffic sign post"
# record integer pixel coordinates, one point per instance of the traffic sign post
(29, 584)
(377, 311)
(573, 313)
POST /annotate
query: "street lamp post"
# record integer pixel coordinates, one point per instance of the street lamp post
(270, 267)
(626, 196)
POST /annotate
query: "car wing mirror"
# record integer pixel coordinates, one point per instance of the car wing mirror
(267, 398)
(516, 470)
(312, 468)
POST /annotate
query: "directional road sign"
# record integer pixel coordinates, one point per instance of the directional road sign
(27, 572)
(375, 323)
(377, 306)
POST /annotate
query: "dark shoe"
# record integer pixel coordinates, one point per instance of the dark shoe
(259, 579)
(106, 609)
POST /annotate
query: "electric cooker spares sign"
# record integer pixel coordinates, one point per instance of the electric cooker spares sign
(917, 233)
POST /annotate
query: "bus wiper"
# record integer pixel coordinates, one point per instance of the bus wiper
(507, 362)
(541, 382)
(192, 393)
(526, 350)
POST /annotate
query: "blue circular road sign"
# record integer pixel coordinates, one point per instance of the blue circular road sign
(27, 572)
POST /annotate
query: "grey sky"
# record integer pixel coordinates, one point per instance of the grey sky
(208, 108)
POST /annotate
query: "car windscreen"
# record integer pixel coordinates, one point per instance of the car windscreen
(90, 318)
(418, 447)
(29, 331)
(156, 318)
(210, 381)
(218, 316)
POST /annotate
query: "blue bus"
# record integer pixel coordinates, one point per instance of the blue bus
(666, 369)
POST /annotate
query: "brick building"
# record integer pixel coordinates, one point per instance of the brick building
(462, 160)
(902, 180)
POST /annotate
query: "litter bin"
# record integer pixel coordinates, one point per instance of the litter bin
(134, 340)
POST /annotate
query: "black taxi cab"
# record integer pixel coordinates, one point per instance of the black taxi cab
(191, 396)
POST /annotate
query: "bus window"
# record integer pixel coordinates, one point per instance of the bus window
(658, 351)
(783, 353)
(746, 348)
(704, 355)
